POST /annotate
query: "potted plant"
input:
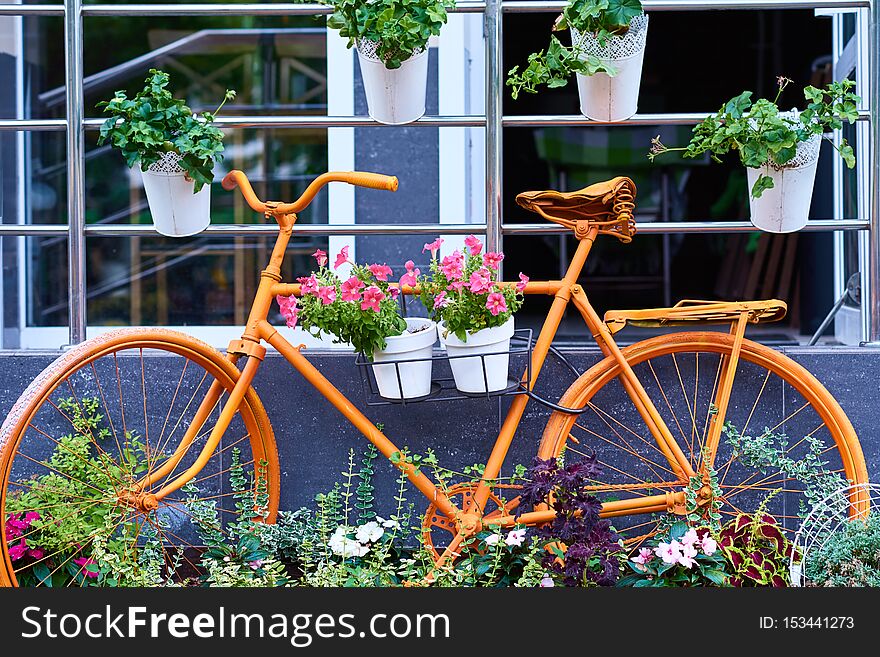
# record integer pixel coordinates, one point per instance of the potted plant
(607, 50)
(175, 148)
(391, 37)
(362, 311)
(474, 313)
(779, 149)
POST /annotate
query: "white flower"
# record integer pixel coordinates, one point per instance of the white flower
(346, 547)
(492, 539)
(546, 581)
(390, 524)
(709, 545)
(369, 532)
(516, 537)
(690, 537)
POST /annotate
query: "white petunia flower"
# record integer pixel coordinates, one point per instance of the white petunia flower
(369, 532)
(492, 539)
(516, 537)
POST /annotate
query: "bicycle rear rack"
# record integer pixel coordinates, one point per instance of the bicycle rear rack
(443, 386)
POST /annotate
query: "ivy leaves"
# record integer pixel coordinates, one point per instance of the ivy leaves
(400, 27)
(763, 135)
(153, 123)
(556, 65)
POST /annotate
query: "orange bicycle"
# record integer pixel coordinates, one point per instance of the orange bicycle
(166, 416)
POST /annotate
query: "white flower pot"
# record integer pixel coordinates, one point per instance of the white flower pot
(415, 378)
(613, 98)
(394, 96)
(176, 210)
(786, 207)
(469, 373)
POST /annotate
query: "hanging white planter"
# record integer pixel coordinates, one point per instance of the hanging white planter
(394, 96)
(786, 207)
(469, 373)
(176, 210)
(416, 342)
(613, 98)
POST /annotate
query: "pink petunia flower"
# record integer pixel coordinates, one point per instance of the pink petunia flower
(433, 247)
(394, 292)
(320, 256)
(441, 301)
(351, 289)
(523, 281)
(451, 266)
(308, 284)
(496, 304)
(341, 258)
(480, 281)
(644, 556)
(492, 259)
(411, 275)
(289, 309)
(455, 286)
(473, 244)
(380, 272)
(372, 296)
(327, 294)
(669, 552)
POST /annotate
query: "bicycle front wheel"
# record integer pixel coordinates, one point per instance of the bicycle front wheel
(95, 426)
(786, 438)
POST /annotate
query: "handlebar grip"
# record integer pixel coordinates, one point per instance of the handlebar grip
(372, 180)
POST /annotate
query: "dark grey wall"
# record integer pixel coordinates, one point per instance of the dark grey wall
(313, 439)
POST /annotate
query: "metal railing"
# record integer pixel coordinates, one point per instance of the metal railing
(75, 124)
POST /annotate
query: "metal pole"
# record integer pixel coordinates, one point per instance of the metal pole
(494, 117)
(871, 295)
(76, 212)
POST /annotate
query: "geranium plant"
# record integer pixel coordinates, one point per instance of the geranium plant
(556, 65)
(153, 123)
(761, 134)
(684, 556)
(463, 289)
(401, 28)
(360, 310)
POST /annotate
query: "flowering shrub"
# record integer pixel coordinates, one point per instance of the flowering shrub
(360, 310)
(463, 290)
(582, 547)
(757, 550)
(683, 557)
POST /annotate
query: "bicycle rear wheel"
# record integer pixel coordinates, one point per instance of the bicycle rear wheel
(780, 418)
(99, 419)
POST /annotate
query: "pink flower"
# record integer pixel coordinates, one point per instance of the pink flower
(669, 552)
(412, 272)
(372, 296)
(308, 284)
(380, 272)
(492, 259)
(327, 294)
(289, 309)
(644, 556)
(473, 244)
(708, 544)
(82, 562)
(496, 303)
(440, 301)
(320, 256)
(394, 292)
(341, 258)
(523, 281)
(451, 266)
(480, 281)
(690, 537)
(351, 289)
(688, 552)
(30, 516)
(18, 550)
(433, 247)
(455, 286)
(37, 553)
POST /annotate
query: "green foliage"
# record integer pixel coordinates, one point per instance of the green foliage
(756, 549)
(401, 28)
(558, 63)
(154, 122)
(348, 317)
(850, 556)
(763, 136)
(699, 511)
(680, 557)
(769, 452)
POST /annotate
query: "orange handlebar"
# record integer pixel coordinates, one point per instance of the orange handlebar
(238, 179)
